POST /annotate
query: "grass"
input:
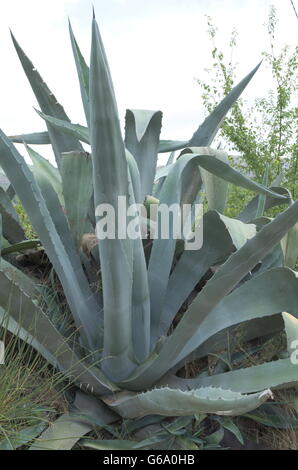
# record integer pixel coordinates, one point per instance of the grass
(29, 395)
(281, 429)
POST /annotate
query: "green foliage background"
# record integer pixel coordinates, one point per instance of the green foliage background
(265, 131)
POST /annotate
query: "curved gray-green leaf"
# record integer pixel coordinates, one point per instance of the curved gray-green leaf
(75, 130)
(163, 250)
(291, 327)
(77, 291)
(69, 428)
(37, 329)
(172, 145)
(276, 374)
(171, 402)
(83, 73)
(208, 130)
(212, 161)
(63, 434)
(142, 130)
(216, 188)
(140, 291)
(49, 105)
(43, 167)
(221, 236)
(282, 373)
(36, 138)
(221, 284)
(22, 437)
(159, 180)
(270, 293)
(22, 246)
(62, 226)
(11, 227)
(249, 212)
(77, 183)
(290, 247)
(110, 180)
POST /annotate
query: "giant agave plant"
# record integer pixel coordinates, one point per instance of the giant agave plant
(126, 352)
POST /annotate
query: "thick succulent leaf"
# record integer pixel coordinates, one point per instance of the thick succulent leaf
(276, 374)
(142, 130)
(32, 320)
(140, 288)
(221, 284)
(22, 246)
(262, 197)
(76, 290)
(171, 158)
(69, 428)
(270, 293)
(216, 188)
(76, 173)
(83, 73)
(291, 327)
(233, 270)
(207, 131)
(11, 226)
(110, 180)
(249, 212)
(171, 402)
(191, 184)
(22, 437)
(75, 130)
(135, 177)
(290, 247)
(92, 410)
(274, 259)
(10, 192)
(266, 326)
(172, 145)
(162, 253)
(261, 298)
(36, 138)
(158, 185)
(29, 284)
(163, 171)
(221, 236)
(10, 324)
(212, 161)
(44, 168)
(59, 219)
(156, 431)
(163, 250)
(227, 423)
(63, 434)
(49, 105)
(205, 134)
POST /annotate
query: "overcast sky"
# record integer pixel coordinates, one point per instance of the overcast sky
(155, 48)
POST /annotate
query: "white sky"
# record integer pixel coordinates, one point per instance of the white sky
(155, 48)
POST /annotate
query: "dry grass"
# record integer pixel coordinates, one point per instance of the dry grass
(28, 390)
(271, 437)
